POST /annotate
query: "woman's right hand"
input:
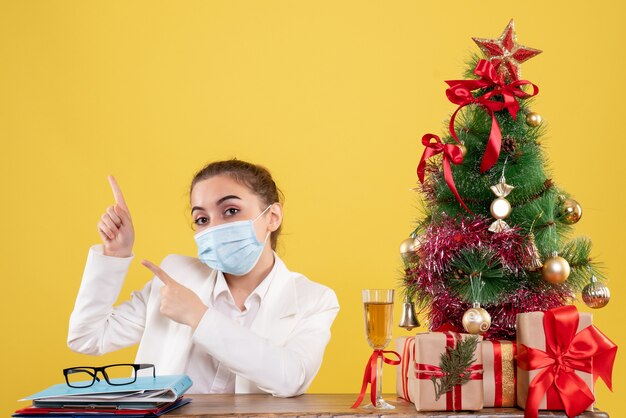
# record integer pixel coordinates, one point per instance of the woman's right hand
(116, 227)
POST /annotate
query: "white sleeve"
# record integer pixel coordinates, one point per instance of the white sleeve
(285, 370)
(96, 326)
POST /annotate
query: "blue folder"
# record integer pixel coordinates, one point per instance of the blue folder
(146, 390)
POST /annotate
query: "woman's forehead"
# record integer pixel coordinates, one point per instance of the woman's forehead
(209, 191)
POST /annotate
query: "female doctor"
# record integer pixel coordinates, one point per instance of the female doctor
(235, 319)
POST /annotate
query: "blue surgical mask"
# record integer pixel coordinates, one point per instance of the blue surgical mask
(231, 247)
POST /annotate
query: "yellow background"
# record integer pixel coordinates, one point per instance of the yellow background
(332, 96)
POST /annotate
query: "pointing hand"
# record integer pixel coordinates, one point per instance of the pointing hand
(116, 227)
(178, 302)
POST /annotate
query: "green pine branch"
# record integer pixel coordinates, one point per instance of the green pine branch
(454, 364)
(577, 252)
(478, 262)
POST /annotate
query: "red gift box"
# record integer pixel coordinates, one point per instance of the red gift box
(499, 373)
(405, 346)
(420, 359)
(560, 356)
(424, 357)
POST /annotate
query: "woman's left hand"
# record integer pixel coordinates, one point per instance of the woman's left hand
(179, 303)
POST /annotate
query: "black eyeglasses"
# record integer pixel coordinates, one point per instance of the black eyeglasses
(114, 374)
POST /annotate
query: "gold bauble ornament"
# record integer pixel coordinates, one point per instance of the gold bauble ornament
(476, 320)
(408, 249)
(555, 269)
(533, 119)
(596, 295)
(571, 211)
(463, 149)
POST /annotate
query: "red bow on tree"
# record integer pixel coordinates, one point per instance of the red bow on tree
(460, 92)
(451, 153)
(589, 351)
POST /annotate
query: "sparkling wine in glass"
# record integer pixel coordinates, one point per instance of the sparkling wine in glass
(378, 306)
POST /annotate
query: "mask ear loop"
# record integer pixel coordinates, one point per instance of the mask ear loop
(261, 214)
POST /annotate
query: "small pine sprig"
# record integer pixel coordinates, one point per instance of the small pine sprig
(474, 262)
(454, 364)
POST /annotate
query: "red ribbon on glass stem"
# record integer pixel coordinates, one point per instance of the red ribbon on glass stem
(451, 154)
(589, 351)
(371, 374)
(460, 92)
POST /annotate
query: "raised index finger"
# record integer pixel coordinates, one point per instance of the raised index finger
(159, 272)
(117, 193)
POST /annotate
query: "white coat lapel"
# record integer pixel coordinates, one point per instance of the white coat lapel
(276, 316)
(178, 339)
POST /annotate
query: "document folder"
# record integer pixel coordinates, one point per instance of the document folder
(147, 391)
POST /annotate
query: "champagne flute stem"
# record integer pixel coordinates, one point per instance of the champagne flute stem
(379, 381)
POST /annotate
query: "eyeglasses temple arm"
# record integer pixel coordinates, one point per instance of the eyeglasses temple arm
(146, 366)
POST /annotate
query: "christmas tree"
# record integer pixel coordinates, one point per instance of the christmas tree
(496, 237)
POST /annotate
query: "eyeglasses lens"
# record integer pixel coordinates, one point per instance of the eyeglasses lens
(80, 378)
(121, 374)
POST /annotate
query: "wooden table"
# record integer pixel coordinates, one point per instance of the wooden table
(331, 405)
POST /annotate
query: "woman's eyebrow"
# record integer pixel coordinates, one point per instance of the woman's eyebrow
(219, 202)
(225, 198)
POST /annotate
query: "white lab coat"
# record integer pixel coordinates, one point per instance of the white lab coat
(280, 353)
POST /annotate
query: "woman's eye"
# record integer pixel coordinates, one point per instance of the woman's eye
(201, 220)
(231, 211)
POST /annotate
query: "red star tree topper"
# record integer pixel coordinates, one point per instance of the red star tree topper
(505, 53)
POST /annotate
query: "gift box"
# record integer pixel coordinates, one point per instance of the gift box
(427, 351)
(499, 373)
(405, 346)
(560, 355)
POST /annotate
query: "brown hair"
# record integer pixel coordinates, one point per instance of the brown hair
(255, 177)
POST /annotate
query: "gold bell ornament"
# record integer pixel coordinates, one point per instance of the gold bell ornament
(476, 320)
(555, 269)
(408, 320)
(596, 295)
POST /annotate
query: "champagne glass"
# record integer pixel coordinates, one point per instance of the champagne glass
(378, 305)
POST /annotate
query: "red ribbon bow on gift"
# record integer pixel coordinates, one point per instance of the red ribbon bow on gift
(451, 153)
(460, 92)
(589, 351)
(371, 373)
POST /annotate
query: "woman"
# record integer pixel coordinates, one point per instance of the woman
(235, 319)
